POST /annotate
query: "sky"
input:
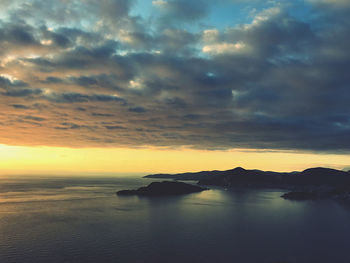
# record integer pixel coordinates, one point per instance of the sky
(172, 85)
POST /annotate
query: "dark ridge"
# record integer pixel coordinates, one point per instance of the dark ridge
(319, 171)
(241, 177)
(300, 196)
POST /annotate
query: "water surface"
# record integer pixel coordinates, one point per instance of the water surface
(82, 220)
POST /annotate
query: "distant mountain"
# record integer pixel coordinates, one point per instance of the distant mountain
(188, 176)
(241, 177)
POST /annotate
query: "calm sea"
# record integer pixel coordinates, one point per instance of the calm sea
(82, 220)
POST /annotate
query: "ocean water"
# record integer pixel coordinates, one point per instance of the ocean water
(82, 220)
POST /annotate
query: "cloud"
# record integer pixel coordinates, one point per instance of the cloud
(99, 75)
(20, 106)
(97, 114)
(34, 118)
(180, 10)
(224, 48)
(22, 92)
(115, 127)
(71, 12)
(159, 3)
(137, 110)
(8, 81)
(72, 97)
(336, 3)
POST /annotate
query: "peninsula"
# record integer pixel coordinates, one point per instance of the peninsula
(313, 183)
(163, 189)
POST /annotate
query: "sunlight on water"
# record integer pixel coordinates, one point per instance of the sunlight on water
(82, 220)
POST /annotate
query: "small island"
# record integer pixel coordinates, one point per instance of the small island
(162, 189)
(337, 193)
(300, 196)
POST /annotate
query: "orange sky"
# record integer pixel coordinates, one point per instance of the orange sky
(59, 160)
(136, 86)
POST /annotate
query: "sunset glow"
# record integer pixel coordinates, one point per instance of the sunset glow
(124, 161)
(167, 86)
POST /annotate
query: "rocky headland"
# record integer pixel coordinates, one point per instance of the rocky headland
(163, 189)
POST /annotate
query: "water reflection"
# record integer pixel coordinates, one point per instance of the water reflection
(82, 220)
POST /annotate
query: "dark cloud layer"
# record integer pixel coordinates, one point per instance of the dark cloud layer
(100, 76)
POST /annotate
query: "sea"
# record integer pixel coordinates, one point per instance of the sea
(81, 219)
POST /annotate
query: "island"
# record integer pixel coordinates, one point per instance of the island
(162, 189)
(331, 192)
(301, 195)
(309, 184)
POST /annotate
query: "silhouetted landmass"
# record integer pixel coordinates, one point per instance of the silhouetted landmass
(313, 183)
(163, 188)
(300, 196)
(339, 193)
(240, 176)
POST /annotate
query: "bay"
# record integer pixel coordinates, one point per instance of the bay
(80, 219)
